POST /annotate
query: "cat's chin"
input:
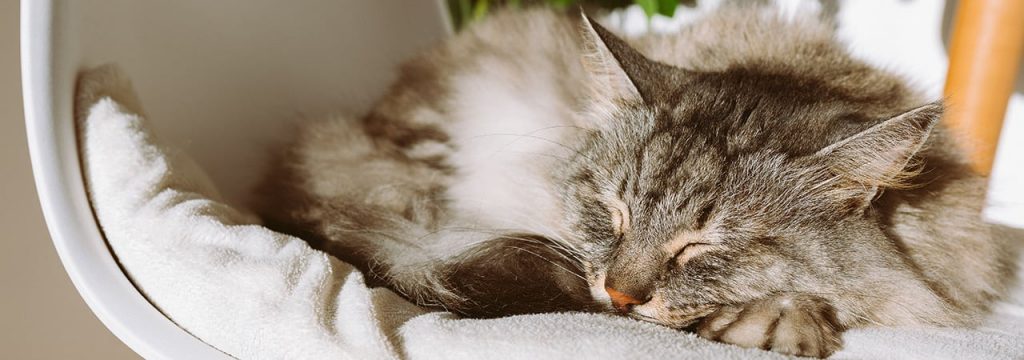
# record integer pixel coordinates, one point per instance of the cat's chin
(681, 320)
(691, 323)
(687, 325)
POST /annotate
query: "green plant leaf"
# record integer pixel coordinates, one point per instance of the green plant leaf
(480, 9)
(463, 15)
(667, 7)
(464, 12)
(561, 4)
(650, 6)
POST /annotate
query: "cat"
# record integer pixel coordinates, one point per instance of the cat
(744, 178)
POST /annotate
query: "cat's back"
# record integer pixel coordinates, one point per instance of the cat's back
(512, 59)
(750, 35)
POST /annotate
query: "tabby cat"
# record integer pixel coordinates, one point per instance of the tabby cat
(744, 178)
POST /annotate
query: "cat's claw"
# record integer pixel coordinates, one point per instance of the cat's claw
(802, 325)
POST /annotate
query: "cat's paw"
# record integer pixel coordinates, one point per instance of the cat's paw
(794, 324)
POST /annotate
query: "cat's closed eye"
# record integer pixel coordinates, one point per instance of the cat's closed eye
(689, 251)
(619, 216)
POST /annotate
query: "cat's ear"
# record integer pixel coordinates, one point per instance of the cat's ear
(881, 156)
(619, 71)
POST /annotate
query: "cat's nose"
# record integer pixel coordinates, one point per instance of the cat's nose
(622, 302)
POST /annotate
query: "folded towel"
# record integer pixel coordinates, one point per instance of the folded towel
(213, 270)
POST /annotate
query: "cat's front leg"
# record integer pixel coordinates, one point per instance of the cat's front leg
(795, 324)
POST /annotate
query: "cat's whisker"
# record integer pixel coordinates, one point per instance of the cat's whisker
(557, 240)
(573, 273)
(534, 137)
(556, 157)
(559, 249)
(547, 231)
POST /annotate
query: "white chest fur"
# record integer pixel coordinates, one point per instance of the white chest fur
(508, 139)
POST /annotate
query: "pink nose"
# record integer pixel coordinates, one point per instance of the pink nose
(622, 301)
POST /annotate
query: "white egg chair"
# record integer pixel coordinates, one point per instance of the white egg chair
(217, 68)
(233, 73)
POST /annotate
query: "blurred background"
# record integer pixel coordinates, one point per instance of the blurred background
(41, 314)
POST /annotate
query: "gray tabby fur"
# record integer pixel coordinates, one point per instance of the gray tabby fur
(744, 178)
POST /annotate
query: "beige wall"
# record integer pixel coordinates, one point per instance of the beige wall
(41, 314)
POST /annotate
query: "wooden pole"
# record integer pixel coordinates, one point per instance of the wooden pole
(984, 54)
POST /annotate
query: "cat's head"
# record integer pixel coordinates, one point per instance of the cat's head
(693, 190)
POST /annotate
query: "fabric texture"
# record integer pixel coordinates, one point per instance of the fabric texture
(257, 294)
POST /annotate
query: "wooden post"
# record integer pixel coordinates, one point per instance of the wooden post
(985, 50)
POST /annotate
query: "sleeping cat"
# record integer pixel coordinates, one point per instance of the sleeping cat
(744, 178)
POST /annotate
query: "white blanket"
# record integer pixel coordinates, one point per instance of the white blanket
(254, 293)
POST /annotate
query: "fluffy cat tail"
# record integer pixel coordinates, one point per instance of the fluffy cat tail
(367, 204)
(494, 275)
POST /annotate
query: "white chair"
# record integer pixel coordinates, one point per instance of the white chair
(221, 79)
